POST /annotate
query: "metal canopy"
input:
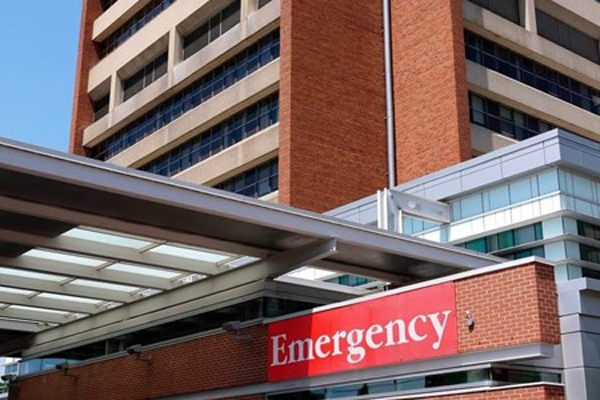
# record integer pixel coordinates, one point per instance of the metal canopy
(85, 246)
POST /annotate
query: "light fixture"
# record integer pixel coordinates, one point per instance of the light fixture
(9, 378)
(469, 321)
(64, 367)
(235, 327)
(137, 350)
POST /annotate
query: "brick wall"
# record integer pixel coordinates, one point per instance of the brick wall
(209, 363)
(430, 86)
(87, 57)
(332, 146)
(511, 307)
(541, 392)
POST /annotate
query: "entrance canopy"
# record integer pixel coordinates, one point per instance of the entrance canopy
(88, 248)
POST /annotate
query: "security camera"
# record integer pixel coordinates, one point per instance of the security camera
(135, 349)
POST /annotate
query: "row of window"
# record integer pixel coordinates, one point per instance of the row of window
(134, 24)
(246, 311)
(508, 9)
(350, 280)
(145, 76)
(505, 120)
(256, 182)
(485, 376)
(507, 62)
(589, 253)
(244, 124)
(506, 239)
(209, 31)
(214, 82)
(505, 195)
(567, 36)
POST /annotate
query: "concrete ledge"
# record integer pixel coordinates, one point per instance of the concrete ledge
(244, 155)
(257, 85)
(530, 44)
(515, 94)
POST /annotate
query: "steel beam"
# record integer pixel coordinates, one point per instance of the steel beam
(37, 316)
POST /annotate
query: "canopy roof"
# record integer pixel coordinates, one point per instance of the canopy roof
(87, 248)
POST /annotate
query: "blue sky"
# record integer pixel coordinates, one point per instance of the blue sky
(38, 47)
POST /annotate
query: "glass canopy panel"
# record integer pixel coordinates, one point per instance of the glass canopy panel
(74, 299)
(32, 275)
(15, 291)
(108, 238)
(41, 310)
(194, 254)
(63, 257)
(102, 285)
(141, 270)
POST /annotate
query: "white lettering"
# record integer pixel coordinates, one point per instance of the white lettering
(277, 348)
(372, 331)
(412, 329)
(354, 344)
(356, 353)
(336, 342)
(440, 328)
(321, 341)
(301, 350)
(389, 333)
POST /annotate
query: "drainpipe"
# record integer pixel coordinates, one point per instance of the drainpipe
(389, 95)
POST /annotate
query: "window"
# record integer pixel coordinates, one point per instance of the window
(506, 194)
(531, 73)
(255, 182)
(262, 3)
(105, 4)
(350, 280)
(506, 239)
(145, 76)
(214, 82)
(211, 29)
(508, 9)
(589, 253)
(131, 26)
(588, 230)
(535, 251)
(567, 36)
(100, 107)
(473, 378)
(244, 124)
(257, 308)
(505, 120)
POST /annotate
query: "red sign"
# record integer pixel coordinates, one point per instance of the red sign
(404, 327)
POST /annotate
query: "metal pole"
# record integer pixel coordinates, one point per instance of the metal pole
(389, 95)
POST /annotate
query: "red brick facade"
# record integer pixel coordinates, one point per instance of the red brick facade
(87, 57)
(430, 86)
(332, 146)
(540, 392)
(209, 363)
(512, 307)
